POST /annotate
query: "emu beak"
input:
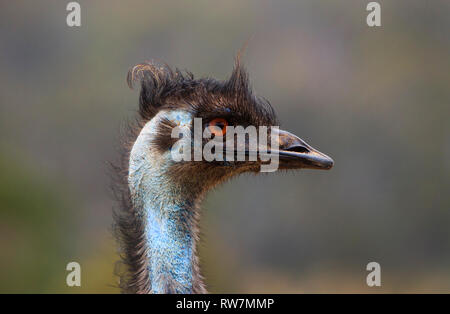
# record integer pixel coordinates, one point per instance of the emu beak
(295, 153)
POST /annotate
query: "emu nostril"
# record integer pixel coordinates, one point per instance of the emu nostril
(298, 149)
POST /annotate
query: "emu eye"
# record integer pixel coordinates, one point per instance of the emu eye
(218, 126)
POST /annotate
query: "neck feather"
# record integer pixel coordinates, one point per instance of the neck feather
(170, 233)
(170, 219)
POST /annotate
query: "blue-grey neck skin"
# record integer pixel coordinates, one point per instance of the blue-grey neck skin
(169, 234)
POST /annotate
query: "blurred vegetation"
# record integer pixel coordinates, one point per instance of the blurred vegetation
(375, 99)
(36, 235)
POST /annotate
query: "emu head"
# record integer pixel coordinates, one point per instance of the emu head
(175, 101)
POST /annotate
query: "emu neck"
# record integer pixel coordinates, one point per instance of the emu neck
(169, 216)
(171, 245)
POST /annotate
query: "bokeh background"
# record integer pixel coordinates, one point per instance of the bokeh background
(375, 99)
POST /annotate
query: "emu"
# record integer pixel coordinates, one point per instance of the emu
(157, 222)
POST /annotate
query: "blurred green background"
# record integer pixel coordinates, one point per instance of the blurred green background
(375, 99)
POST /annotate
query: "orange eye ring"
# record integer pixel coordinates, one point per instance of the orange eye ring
(218, 126)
